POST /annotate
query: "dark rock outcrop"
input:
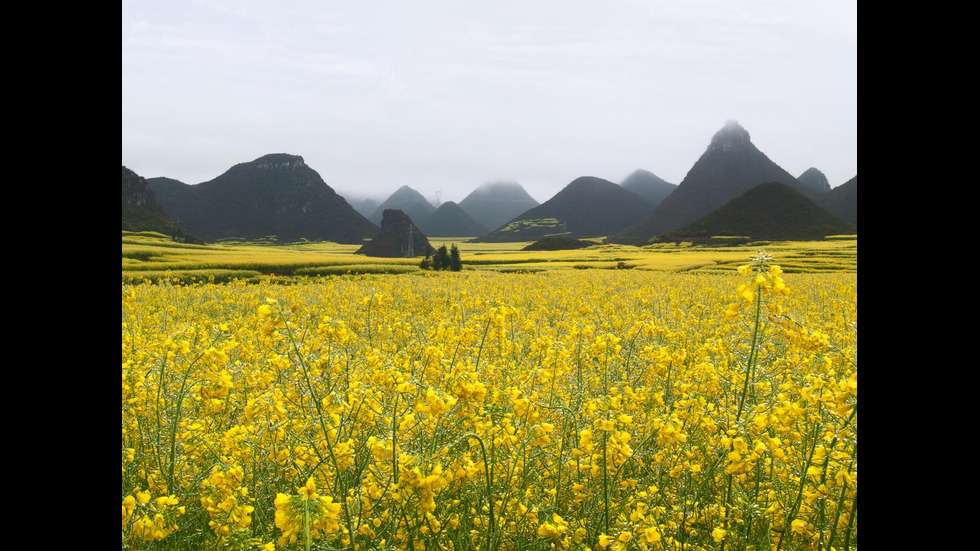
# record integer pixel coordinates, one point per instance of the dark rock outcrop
(399, 238)
(142, 212)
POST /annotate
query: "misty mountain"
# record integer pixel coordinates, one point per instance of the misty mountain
(450, 220)
(274, 195)
(142, 212)
(770, 211)
(366, 207)
(815, 180)
(587, 207)
(406, 200)
(729, 167)
(647, 184)
(493, 204)
(842, 201)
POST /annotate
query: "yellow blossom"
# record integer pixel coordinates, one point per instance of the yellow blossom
(308, 490)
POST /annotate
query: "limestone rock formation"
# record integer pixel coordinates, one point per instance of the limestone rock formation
(399, 238)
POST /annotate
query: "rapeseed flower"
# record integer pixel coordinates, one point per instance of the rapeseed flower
(593, 391)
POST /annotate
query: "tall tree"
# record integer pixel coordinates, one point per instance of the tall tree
(455, 262)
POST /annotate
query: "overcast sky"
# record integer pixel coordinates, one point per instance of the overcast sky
(444, 95)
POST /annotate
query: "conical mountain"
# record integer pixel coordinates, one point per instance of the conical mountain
(587, 207)
(815, 180)
(769, 211)
(493, 204)
(399, 238)
(274, 195)
(365, 206)
(647, 184)
(842, 201)
(450, 220)
(406, 200)
(142, 212)
(729, 167)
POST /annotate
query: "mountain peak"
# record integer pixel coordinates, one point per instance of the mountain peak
(405, 199)
(275, 195)
(498, 187)
(730, 135)
(729, 167)
(588, 182)
(495, 203)
(279, 160)
(814, 179)
(587, 207)
(450, 220)
(647, 184)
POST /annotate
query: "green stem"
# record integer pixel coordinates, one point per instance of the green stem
(176, 419)
(850, 522)
(370, 301)
(394, 435)
(488, 466)
(605, 443)
(479, 352)
(799, 495)
(339, 489)
(605, 486)
(306, 523)
(750, 365)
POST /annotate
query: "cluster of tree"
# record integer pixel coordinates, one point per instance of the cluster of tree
(444, 259)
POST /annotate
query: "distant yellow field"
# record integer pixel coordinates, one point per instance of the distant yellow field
(152, 256)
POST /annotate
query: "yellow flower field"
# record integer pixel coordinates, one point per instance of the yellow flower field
(564, 409)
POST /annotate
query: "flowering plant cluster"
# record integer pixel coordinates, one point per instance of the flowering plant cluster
(619, 409)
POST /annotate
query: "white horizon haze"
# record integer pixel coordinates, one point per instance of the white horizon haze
(443, 96)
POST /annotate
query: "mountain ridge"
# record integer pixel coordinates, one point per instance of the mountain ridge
(407, 200)
(450, 220)
(274, 195)
(586, 207)
(647, 184)
(141, 211)
(493, 204)
(279, 195)
(771, 211)
(730, 166)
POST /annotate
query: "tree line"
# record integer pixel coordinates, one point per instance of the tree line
(444, 259)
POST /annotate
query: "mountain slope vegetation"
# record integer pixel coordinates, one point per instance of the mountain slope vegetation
(587, 207)
(768, 212)
(729, 167)
(142, 212)
(275, 195)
